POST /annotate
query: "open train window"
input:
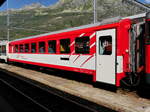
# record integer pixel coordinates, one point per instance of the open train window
(82, 45)
(52, 46)
(16, 49)
(26, 48)
(33, 48)
(105, 45)
(41, 47)
(21, 48)
(65, 46)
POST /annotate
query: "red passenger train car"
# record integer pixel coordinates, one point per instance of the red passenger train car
(111, 52)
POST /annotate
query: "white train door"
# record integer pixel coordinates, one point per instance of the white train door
(106, 56)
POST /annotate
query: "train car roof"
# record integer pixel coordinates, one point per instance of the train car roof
(105, 21)
(60, 31)
(142, 15)
(4, 42)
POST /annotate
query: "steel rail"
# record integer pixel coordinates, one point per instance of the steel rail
(17, 90)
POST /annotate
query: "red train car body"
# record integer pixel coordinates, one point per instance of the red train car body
(110, 52)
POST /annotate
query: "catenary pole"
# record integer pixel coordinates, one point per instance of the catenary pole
(95, 10)
(8, 22)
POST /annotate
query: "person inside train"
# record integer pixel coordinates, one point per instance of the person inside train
(106, 45)
(41, 50)
(21, 48)
(50, 49)
(108, 49)
(33, 50)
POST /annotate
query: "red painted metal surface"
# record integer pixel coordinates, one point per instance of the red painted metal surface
(122, 47)
(147, 58)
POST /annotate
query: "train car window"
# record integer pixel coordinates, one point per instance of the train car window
(33, 48)
(0, 50)
(105, 45)
(41, 47)
(16, 49)
(21, 48)
(82, 45)
(3, 50)
(65, 46)
(26, 48)
(52, 46)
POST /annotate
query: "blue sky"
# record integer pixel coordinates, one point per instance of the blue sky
(22, 3)
(145, 1)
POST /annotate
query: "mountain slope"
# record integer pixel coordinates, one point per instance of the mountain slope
(36, 19)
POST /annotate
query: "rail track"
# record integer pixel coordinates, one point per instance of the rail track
(41, 98)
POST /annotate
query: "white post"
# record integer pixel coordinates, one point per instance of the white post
(8, 22)
(95, 10)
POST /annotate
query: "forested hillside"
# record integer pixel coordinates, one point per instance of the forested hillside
(36, 18)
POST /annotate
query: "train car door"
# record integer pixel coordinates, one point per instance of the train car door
(106, 56)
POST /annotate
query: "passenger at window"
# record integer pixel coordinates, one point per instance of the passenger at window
(21, 49)
(50, 49)
(62, 48)
(107, 48)
(26, 50)
(33, 50)
(16, 49)
(41, 50)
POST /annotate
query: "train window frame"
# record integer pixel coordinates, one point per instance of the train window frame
(3, 50)
(105, 48)
(26, 48)
(53, 49)
(21, 50)
(0, 50)
(33, 45)
(68, 51)
(79, 42)
(16, 50)
(41, 48)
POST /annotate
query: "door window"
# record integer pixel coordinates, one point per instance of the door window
(105, 45)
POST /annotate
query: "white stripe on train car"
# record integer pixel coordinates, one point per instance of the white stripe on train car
(81, 34)
(94, 34)
(72, 43)
(92, 45)
(56, 60)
